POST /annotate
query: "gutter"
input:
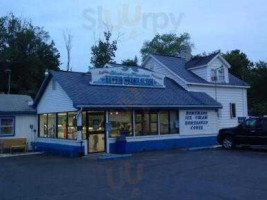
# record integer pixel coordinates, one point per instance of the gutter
(213, 85)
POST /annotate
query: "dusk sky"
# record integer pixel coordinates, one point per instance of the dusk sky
(212, 24)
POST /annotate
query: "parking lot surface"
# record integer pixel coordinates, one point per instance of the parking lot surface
(206, 174)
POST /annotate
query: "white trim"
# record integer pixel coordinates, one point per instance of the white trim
(222, 59)
(218, 85)
(59, 141)
(162, 137)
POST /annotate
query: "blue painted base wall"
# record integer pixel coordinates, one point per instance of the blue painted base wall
(59, 149)
(165, 144)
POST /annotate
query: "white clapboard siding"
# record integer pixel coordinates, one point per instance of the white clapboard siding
(201, 72)
(210, 128)
(22, 128)
(225, 96)
(55, 99)
(155, 66)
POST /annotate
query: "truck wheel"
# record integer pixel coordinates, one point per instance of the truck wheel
(228, 143)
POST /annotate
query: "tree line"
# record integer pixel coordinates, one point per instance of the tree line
(27, 51)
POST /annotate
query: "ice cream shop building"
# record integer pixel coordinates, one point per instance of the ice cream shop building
(167, 102)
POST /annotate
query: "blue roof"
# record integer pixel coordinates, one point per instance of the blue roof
(179, 66)
(199, 61)
(15, 104)
(82, 93)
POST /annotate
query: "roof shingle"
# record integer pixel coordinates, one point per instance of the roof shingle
(15, 104)
(77, 86)
(179, 66)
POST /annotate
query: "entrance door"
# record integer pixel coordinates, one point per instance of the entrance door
(96, 130)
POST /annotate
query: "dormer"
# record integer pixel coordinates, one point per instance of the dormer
(213, 68)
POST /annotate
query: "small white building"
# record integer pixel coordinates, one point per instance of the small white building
(17, 117)
(168, 102)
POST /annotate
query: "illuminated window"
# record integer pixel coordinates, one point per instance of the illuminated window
(58, 125)
(72, 125)
(51, 130)
(121, 123)
(62, 125)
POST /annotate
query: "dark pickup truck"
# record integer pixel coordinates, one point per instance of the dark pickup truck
(252, 132)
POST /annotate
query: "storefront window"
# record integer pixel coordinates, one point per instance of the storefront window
(164, 122)
(174, 122)
(43, 125)
(72, 125)
(168, 122)
(62, 125)
(7, 126)
(138, 124)
(51, 133)
(121, 123)
(153, 123)
(58, 125)
(146, 123)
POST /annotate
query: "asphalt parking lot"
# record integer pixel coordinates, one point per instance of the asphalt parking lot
(206, 174)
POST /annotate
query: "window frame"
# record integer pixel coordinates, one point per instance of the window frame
(13, 125)
(169, 122)
(67, 125)
(218, 75)
(232, 111)
(213, 75)
(121, 111)
(221, 75)
(142, 113)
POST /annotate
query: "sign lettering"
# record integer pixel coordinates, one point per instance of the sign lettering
(197, 120)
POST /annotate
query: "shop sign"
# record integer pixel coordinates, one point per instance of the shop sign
(126, 77)
(197, 120)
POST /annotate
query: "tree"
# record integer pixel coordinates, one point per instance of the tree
(27, 51)
(257, 94)
(166, 44)
(130, 62)
(104, 51)
(68, 44)
(240, 64)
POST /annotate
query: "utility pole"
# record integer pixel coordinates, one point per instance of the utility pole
(8, 71)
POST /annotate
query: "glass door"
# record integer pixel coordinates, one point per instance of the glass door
(96, 130)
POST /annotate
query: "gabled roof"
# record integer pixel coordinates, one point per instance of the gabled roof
(15, 104)
(83, 94)
(200, 61)
(179, 67)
